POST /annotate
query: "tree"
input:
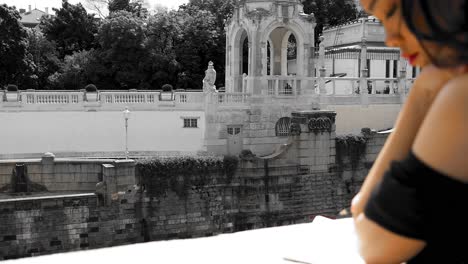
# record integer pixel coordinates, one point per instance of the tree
(72, 29)
(222, 11)
(99, 6)
(43, 55)
(73, 75)
(203, 21)
(163, 32)
(123, 52)
(136, 7)
(13, 43)
(330, 12)
(198, 43)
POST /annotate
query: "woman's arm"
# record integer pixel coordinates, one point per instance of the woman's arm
(422, 94)
(442, 144)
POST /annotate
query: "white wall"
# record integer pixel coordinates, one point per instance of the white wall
(39, 132)
(351, 119)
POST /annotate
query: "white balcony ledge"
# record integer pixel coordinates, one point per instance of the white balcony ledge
(323, 241)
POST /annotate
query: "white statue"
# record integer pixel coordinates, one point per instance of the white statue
(210, 79)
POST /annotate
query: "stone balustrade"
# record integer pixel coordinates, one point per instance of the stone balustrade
(229, 99)
(338, 90)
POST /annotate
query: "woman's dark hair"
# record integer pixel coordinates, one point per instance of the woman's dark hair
(441, 22)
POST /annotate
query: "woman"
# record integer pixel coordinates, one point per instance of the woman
(413, 203)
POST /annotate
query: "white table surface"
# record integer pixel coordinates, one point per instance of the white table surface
(323, 241)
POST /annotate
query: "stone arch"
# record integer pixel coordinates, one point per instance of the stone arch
(269, 58)
(239, 65)
(284, 53)
(299, 35)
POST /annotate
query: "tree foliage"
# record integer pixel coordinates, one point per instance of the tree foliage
(72, 29)
(163, 34)
(43, 55)
(130, 48)
(123, 52)
(74, 72)
(136, 7)
(13, 44)
(330, 12)
(204, 22)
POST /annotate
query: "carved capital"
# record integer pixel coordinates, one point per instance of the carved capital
(320, 124)
(317, 121)
(295, 129)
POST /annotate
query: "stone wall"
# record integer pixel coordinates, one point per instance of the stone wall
(61, 129)
(59, 175)
(299, 181)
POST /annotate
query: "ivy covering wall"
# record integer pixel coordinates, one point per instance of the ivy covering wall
(162, 174)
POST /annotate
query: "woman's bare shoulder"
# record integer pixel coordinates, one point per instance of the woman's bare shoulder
(442, 141)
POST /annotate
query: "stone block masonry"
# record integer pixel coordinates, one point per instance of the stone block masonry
(58, 175)
(265, 192)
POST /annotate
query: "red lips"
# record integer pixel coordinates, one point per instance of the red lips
(411, 58)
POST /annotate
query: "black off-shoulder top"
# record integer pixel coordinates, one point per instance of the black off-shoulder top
(416, 201)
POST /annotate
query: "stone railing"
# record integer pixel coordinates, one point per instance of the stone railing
(349, 86)
(338, 89)
(293, 86)
(231, 98)
(189, 97)
(56, 97)
(131, 97)
(283, 85)
(74, 100)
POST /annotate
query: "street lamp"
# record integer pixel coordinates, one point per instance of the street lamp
(126, 114)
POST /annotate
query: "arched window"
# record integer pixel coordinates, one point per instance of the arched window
(282, 127)
(292, 55)
(245, 56)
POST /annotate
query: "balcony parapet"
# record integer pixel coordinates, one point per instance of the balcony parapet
(336, 90)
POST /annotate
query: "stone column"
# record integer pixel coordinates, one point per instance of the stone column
(322, 69)
(315, 139)
(264, 47)
(364, 75)
(402, 80)
(117, 179)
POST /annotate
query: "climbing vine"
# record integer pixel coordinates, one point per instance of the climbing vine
(352, 146)
(161, 174)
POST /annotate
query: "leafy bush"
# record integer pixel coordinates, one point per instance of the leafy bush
(178, 174)
(167, 88)
(247, 155)
(12, 88)
(230, 165)
(352, 146)
(91, 88)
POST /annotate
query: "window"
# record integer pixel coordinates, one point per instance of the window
(282, 127)
(395, 69)
(234, 130)
(387, 69)
(190, 123)
(368, 63)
